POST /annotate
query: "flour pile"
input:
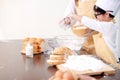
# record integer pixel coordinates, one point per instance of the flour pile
(83, 62)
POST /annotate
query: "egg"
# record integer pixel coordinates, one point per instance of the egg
(68, 76)
(57, 78)
(59, 74)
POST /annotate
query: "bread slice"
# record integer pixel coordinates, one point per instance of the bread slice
(57, 57)
(55, 62)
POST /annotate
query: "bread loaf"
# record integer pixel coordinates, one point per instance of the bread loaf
(59, 55)
(62, 50)
(35, 42)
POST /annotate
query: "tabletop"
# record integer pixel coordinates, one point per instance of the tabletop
(16, 66)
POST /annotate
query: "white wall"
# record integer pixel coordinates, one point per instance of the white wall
(31, 18)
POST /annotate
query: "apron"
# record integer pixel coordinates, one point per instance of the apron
(85, 8)
(103, 51)
(88, 46)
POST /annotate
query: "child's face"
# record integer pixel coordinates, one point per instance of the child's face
(101, 14)
(101, 17)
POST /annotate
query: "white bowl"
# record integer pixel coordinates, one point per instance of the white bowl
(70, 41)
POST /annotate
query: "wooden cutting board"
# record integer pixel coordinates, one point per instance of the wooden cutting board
(106, 70)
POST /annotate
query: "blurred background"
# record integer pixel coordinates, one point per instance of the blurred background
(31, 18)
(34, 18)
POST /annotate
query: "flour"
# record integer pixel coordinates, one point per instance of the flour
(83, 62)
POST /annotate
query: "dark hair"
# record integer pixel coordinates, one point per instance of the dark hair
(101, 11)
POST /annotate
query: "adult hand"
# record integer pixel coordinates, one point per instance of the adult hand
(65, 21)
